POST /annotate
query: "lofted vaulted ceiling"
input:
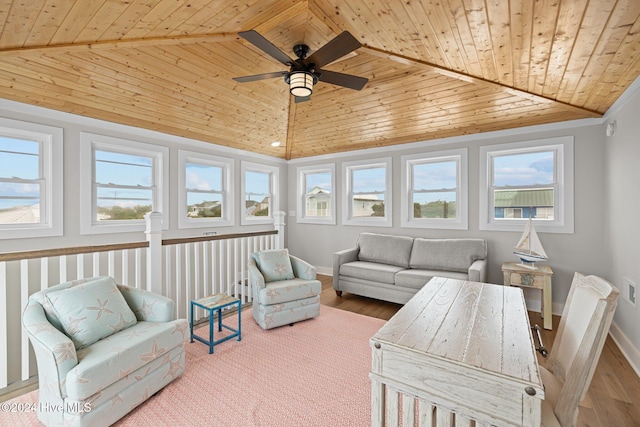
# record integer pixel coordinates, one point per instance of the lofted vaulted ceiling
(436, 68)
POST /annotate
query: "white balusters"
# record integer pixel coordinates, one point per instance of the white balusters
(111, 264)
(63, 268)
(80, 266)
(139, 268)
(24, 296)
(96, 264)
(182, 271)
(4, 368)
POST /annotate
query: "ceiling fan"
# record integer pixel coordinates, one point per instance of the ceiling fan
(305, 72)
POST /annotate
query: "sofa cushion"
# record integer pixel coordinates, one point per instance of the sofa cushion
(91, 311)
(447, 254)
(275, 264)
(385, 249)
(371, 271)
(121, 354)
(416, 279)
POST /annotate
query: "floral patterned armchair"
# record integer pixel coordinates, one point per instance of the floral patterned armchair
(284, 287)
(102, 349)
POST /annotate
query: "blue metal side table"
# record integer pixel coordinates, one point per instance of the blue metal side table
(212, 304)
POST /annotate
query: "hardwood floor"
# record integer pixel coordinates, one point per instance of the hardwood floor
(613, 398)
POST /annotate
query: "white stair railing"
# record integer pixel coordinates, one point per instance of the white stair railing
(182, 269)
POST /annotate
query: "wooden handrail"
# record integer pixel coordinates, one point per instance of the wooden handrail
(76, 250)
(180, 241)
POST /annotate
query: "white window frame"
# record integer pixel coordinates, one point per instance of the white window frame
(51, 174)
(563, 221)
(273, 173)
(90, 142)
(227, 166)
(461, 222)
(348, 193)
(302, 172)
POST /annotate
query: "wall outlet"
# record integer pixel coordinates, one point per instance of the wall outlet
(629, 290)
(292, 214)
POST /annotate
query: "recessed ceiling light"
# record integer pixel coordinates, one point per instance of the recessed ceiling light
(275, 144)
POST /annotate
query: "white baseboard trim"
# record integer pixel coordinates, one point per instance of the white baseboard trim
(327, 271)
(629, 351)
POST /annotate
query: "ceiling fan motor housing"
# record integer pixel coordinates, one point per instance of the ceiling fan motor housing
(297, 66)
(301, 50)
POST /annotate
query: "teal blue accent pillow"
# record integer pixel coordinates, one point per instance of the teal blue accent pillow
(275, 265)
(91, 311)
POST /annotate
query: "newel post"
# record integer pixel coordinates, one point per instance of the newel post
(154, 256)
(278, 224)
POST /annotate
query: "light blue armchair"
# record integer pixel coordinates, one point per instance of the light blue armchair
(284, 288)
(102, 349)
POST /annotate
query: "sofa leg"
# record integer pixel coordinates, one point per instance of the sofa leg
(339, 293)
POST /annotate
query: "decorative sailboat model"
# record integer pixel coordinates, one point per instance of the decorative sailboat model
(529, 248)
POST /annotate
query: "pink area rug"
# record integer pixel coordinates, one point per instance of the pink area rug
(314, 373)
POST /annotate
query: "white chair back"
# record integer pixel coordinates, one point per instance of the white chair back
(583, 329)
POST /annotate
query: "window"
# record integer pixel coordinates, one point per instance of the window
(367, 195)
(532, 179)
(434, 190)
(30, 180)
(316, 197)
(206, 190)
(121, 182)
(259, 193)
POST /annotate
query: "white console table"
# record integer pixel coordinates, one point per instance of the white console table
(457, 352)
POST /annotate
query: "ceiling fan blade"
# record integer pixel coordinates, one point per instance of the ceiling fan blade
(338, 47)
(263, 76)
(266, 46)
(300, 99)
(340, 79)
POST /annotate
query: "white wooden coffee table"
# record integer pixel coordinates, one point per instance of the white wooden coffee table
(457, 352)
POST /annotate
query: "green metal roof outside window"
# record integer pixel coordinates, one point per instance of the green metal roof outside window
(523, 198)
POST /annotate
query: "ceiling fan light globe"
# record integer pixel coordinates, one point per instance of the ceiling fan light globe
(301, 83)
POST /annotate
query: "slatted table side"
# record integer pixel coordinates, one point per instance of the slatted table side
(473, 392)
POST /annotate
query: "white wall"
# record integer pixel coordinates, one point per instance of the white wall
(581, 251)
(622, 221)
(72, 126)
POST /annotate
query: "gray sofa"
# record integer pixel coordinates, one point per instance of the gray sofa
(394, 268)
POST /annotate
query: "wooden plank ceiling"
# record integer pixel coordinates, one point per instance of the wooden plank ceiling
(436, 68)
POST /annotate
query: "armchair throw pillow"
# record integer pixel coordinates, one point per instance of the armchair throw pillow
(275, 265)
(91, 311)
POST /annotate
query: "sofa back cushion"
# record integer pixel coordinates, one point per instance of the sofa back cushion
(385, 249)
(90, 311)
(447, 254)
